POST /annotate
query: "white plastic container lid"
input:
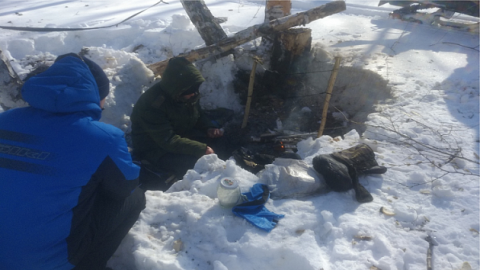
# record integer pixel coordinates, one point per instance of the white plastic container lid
(229, 183)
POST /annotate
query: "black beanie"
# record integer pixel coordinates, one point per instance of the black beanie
(100, 77)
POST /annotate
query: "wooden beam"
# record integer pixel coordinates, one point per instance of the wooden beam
(256, 31)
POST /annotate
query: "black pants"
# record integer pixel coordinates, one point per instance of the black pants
(112, 219)
(180, 163)
(177, 164)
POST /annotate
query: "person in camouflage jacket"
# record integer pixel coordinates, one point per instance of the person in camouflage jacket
(166, 118)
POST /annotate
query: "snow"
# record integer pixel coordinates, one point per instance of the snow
(426, 133)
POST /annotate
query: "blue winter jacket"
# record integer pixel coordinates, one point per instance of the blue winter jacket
(55, 157)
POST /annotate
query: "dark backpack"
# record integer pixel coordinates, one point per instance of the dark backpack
(341, 169)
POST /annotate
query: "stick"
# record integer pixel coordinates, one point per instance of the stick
(250, 91)
(431, 243)
(331, 82)
(254, 32)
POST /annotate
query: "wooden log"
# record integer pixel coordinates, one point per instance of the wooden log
(296, 40)
(331, 82)
(275, 9)
(208, 27)
(287, 48)
(256, 31)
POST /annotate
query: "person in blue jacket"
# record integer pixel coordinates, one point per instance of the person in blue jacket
(68, 188)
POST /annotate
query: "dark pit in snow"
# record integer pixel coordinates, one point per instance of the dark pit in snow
(288, 104)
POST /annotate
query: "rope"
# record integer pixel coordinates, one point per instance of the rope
(46, 29)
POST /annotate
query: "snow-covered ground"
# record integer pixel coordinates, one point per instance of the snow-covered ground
(427, 135)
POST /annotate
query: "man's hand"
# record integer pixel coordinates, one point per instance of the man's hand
(214, 132)
(209, 151)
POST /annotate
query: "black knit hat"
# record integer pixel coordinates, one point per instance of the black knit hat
(100, 77)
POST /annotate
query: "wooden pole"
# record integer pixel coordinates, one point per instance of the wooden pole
(331, 82)
(250, 91)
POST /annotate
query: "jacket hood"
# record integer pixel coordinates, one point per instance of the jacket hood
(179, 76)
(67, 86)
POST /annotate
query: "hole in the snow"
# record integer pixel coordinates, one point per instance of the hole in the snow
(293, 102)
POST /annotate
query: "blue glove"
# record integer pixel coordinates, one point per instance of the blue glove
(254, 210)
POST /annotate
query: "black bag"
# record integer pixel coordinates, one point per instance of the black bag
(362, 158)
(254, 162)
(341, 169)
(250, 161)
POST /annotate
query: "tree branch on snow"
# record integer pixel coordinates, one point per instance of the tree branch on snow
(435, 156)
(452, 43)
(448, 152)
(398, 40)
